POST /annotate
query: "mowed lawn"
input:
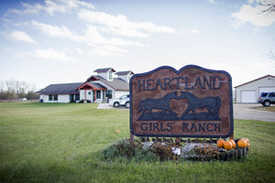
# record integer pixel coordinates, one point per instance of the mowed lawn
(62, 143)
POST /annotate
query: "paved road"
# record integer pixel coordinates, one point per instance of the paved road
(244, 111)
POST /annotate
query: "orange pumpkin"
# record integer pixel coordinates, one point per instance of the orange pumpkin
(247, 140)
(233, 143)
(220, 143)
(228, 145)
(248, 145)
(242, 143)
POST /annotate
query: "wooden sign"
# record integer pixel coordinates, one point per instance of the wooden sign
(191, 102)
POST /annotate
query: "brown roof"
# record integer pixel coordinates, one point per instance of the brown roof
(124, 72)
(63, 88)
(104, 69)
(254, 80)
(91, 85)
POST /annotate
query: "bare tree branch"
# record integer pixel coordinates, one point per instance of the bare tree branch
(270, 7)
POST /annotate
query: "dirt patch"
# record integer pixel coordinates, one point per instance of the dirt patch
(262, 108)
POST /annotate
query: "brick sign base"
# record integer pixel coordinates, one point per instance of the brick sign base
(191, 102)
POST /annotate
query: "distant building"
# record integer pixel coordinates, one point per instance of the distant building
(250, 91)
(97, 88)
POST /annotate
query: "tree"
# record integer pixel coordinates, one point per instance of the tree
(271, 55)
(270, 6)
(12, 89)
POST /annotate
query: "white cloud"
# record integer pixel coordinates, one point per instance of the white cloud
(21, 36)
(93, 37)
(109, 51)
(184, 31)
(120, 25)
(210, 1)
(195, 31)
(49, 54)
(56, 32)
(253, 15)
(52, 6)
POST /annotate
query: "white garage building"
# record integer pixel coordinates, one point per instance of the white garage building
(250, 91)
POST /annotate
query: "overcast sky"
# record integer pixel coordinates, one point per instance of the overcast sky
(61, 41)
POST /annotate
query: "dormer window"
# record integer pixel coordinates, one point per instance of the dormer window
(110, 76)
(106, 73)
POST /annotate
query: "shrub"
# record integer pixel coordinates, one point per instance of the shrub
(163, 151)
(82, 101)
(135, 151)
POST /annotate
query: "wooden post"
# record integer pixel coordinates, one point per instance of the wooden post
(85, 94)
(232, 136)
(131, 137)
(177, 141)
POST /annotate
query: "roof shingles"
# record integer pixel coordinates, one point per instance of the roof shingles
(64, 88)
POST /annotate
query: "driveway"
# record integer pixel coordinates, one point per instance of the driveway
(244, 111)
(241, 111)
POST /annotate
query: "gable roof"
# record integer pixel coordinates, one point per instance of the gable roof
(92, 86)
(104, 69)
(124, 72)
(63, 88)
(254, 80)
(116, 84)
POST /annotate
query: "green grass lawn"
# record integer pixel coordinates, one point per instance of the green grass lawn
(62, 143)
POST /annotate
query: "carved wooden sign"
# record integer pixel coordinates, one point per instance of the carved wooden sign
(191, 102)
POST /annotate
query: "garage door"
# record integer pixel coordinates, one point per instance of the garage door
(248, 96)
(266, 89)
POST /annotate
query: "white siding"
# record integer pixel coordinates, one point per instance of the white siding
(120, 93)
(248, 96)
(61, 98)
(88, 96)
(126, 77)
(64, 98)
(266, 89)
(257, 86)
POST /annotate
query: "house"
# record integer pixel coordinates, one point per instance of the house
(98, 88)
(250, 91)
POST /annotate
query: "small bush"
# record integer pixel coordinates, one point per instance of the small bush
(163, 151)
(206, 153)
(82, 101)
(135, 151)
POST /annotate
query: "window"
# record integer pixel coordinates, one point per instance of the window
(98, 94)
(109, 94)
(71, 97)
(77, 97)
(110, 75)
(50, 97)
(55, 97)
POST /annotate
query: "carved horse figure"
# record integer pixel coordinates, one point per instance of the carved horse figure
(162, 104)
(212, 104)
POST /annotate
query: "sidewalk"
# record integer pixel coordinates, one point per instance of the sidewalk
(104, 106)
